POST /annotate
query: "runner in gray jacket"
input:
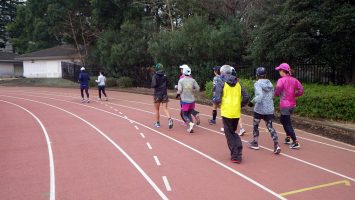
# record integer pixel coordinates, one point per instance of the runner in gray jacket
(263, 109)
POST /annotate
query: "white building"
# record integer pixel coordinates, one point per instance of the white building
(47, 63)
(9, 67)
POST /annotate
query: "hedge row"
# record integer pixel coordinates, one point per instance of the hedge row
(318, 101)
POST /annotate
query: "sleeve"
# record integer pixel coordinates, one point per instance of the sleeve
(279, 88)
(154, 82)
(218, 93)
(258, 94)
(299, 89)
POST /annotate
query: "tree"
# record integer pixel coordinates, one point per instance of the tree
(7, 15)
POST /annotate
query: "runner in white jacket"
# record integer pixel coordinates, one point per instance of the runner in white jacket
(101, 84)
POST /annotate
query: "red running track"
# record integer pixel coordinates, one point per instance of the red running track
(110, 150)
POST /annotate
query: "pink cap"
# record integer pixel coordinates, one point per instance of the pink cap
(283, 66)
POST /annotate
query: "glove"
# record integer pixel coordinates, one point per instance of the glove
(177, 96)
(250, 104)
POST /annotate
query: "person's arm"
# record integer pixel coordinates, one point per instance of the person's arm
(98, 79)
(245, 96)
(218, 93)
(154, 82)
(299, 89)
(179, 86)
(279, 88)
(258, 94)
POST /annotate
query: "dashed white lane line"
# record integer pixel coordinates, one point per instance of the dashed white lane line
(149, 146)
(166, 183)
(157, 160)
(143, 136)
(128, 157)
(135, 126)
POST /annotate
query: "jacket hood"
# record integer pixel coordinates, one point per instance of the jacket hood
(230, 79)
(265, 84)
(160, 72)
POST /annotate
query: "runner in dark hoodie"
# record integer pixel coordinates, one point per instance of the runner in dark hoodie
(160, 85)
(232, 97)
(263, 109)
(84, 79)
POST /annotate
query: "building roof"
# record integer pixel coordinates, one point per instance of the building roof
(8, 57)
(58, 52)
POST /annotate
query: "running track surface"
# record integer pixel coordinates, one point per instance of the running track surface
(52, 146)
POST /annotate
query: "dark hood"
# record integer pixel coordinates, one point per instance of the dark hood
(230, 79)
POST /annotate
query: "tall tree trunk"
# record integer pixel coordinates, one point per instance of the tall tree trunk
(74, 37)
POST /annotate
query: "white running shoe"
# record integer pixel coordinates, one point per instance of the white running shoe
(191, 126)
(88, 100)
(241, 132)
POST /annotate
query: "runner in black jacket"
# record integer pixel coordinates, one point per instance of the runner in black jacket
(160, 85)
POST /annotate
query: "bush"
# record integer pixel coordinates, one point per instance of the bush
(111, 82)
(124, 82)
(208, 89)
(329, 102)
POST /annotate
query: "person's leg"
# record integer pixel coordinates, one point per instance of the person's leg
(157, 114)
(214, 114)
(82, 92)
(287, 124)
(233, 140)
(99, 87)
(196, 116)
(104, 91)
(87, 92)
(256, 121)
(166, 110)
(268, 123)
(241, 129)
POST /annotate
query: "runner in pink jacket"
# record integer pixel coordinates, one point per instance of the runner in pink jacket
(288, 88)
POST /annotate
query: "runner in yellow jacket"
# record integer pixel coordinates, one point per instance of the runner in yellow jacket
(232, 97)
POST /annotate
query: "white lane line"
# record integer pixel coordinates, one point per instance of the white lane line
(125, 117)
(157, 160)
(302, 161)
(149, 146)
(135, 126)
(322, 137)
(250, 125)
(115, 110)
(166, 183)
(129, 158)
(130, 121)
(294, 158)
(121, 113)
(50, 152)
(143, 136)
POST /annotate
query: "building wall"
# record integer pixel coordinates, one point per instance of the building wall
(6, 69)
(42, 69)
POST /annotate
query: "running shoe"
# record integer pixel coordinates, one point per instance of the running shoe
(99, 99)
(295, 145)
(83, 101)
(106, 99)
(157, 124)
(211, 121)
(88, 100)
(170, 123)
(191, 126)
(238, 161)
(254, 145)
(241, 132)
(288, 140)
(277, 149)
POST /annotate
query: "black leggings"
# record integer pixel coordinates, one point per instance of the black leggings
(86, 91)
(102, 88)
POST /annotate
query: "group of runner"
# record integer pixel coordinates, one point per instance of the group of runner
(230, 96)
